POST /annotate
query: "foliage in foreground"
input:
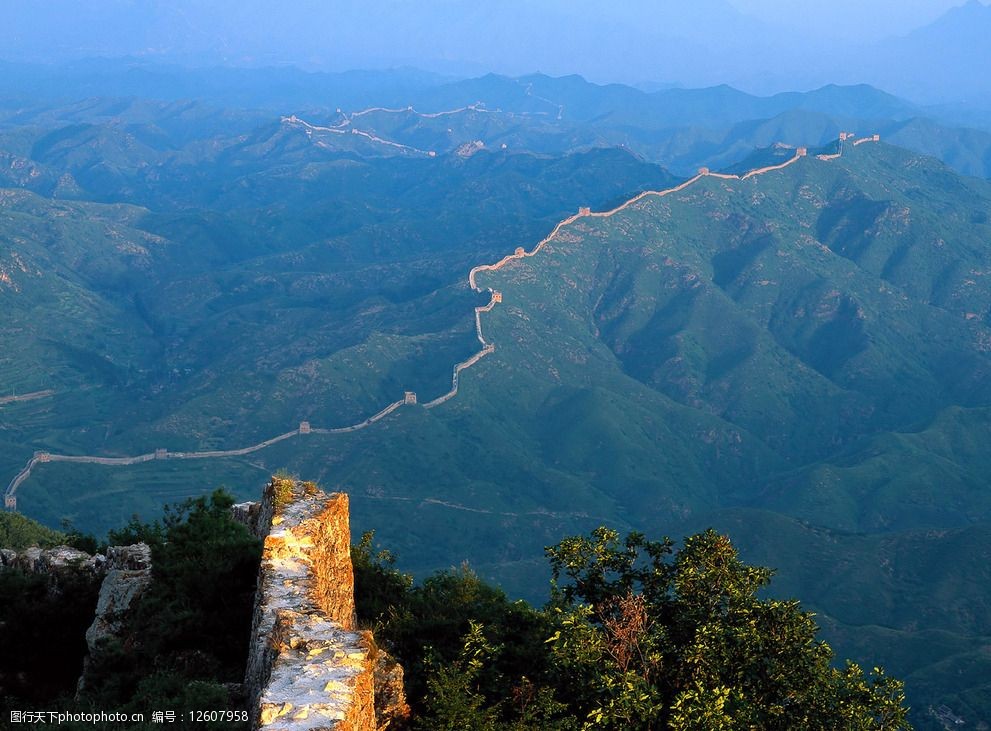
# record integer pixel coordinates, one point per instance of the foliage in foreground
(637, 635)
(18, 532)
(187, 636)
(190, 631)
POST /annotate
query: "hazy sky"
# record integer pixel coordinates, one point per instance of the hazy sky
(31, 27)
(758, 45)
(855, 19)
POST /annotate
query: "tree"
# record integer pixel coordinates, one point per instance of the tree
(456, 695)
(637, 636)
(189, 632)
(651, 639)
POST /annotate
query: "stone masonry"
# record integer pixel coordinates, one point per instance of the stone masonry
(308, 668)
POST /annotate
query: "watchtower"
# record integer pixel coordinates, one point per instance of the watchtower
(409, 398)
(844, 136)
(802, 151)
(703, 171)
(42, 456)
(520, 251)
(10, 502)
(876, 138)
(161, 454)
(496, 296)
(584, 211)
(304, 427)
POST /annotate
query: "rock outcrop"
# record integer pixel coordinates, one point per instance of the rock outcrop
(308, 667)
(125, 572)
(128, 575)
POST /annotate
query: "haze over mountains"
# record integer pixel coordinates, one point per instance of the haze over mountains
(697, 44)
(800, 359)
(678, 128)
(203, 246)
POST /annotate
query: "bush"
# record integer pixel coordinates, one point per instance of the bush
(636, 636)
(192, 626)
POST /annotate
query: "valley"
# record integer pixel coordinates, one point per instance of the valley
(786, 338)
(10, 494)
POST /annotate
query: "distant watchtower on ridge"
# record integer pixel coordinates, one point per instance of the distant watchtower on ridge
(10, 502)
(409, 398)
(496, 296)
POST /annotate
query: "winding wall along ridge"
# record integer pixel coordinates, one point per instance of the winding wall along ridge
(10, 499)
(25, 396)
(349, 117)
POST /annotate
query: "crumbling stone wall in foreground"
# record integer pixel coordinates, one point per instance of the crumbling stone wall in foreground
(308, 668)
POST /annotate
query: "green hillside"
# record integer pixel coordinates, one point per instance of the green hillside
(18, 532)
(302, 292)
(810, 342)
(800, 359)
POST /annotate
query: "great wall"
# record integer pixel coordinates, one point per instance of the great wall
(307, 666)
(410, 398)
(26, 397)
(348, 124)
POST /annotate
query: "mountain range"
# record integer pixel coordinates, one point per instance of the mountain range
(703, 44)
(798, 358)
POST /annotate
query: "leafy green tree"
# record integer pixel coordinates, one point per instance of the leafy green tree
(189, 632)
(648, 639)
(378, 586)
(438, 614)
(636, 636)
(456, 695)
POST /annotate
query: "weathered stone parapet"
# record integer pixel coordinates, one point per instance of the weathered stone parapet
(248, 514)
(51, 560)
(322, 677)
(307, 667)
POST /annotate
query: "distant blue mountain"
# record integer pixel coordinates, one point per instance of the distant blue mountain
(945, 61)
(703, 43)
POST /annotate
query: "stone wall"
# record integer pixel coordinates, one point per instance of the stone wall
(308, 668)
(50, 561)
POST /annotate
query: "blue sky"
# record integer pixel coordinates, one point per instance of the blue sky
(757, 45)
(859, 19)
